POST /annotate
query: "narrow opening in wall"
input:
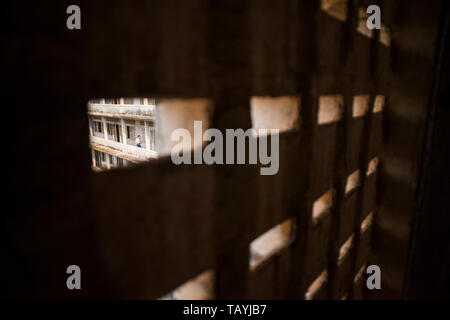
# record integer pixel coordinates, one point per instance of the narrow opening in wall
(367, 223)
(379, 103)
(335, 8)
(360, 105)
(125, 131)
(199, 288)
(359, 274)
(352, 181)
(362, 23)
(385, 35)
(345, 249)
(316, 285)
(271, 242)
(330, 108)
(372, 167)
(322, 206)
(181, 124)
(280, 113)
(121, 131)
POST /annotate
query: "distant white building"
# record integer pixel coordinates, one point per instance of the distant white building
(114, 125)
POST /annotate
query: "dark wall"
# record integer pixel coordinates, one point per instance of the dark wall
(430, 261)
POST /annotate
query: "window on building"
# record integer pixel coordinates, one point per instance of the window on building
(120, 127)
(118, 133)
(110, 129)
(98, 126)
(128, 100)
(152, 138)
(97, 162)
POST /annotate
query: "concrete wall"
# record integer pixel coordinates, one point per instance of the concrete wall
(140, 110)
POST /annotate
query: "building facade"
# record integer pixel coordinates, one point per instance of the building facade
(116, 126)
